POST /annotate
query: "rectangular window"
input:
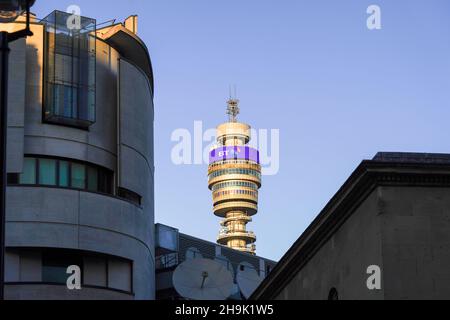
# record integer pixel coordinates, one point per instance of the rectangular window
(120, 274)
(63, 174)
(29, 172)
(47, 172)
(55, 264)
(67, 174)
(105, 181)
(66, 97)
(92, 179)
(78, 176)
(130, 195)
(95, 271)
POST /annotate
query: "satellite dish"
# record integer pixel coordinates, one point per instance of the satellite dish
(225, 262)
(247, 279)
(202, 279)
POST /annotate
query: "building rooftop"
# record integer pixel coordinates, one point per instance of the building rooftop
(411, 157)
(385, 169)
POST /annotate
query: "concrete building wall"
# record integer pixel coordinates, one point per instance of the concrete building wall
(98, 145)
(16, 106)
(403, 230)
(416, 242)
(54, 292)
(136, 117)
(342, 261)
(40, 217)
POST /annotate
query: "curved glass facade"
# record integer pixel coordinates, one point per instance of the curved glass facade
(70, 76)
(63, 173)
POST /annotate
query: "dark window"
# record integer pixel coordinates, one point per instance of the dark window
(13, 178)
(55, 264)
(130, 195)
(105, 183)
(96, 269)
(92, 179)
(333, 294)
(65, 174)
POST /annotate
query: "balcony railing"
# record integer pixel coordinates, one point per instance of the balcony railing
(227, 235)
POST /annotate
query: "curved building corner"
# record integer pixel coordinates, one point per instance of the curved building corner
(80, 162)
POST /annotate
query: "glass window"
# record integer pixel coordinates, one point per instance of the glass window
(29, 172)
(47, 172)
(55, 263)
(66, 174)
(104, 181)
(92, 179)
(63, 174)
(70, 71)
(78, 176)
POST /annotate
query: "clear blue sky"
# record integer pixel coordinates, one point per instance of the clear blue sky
(337, 91)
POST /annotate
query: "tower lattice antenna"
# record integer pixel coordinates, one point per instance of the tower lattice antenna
(233, 109)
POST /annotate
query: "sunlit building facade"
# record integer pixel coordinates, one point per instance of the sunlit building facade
(80, 161)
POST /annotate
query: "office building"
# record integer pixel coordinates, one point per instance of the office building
(80, 161)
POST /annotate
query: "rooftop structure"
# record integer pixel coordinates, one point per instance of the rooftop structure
(175, 250)
(385, 234)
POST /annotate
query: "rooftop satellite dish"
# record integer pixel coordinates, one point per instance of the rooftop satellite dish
(202, 279)
(247, 279)
(225, 262)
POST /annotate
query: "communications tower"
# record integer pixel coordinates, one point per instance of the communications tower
(234, 177)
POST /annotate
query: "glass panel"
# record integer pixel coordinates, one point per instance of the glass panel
(103, 183)
(54, 274)
(92, 179)
(68, 106)
(29, 172)
(63, 174)
(70, 64)
(78, 176)
(47, 172)
(55, 263)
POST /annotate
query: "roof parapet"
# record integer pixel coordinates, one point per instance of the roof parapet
(131, 23)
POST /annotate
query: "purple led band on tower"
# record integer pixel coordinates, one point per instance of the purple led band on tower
(234, 153)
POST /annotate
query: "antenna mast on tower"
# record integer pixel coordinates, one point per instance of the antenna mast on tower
(233, 109)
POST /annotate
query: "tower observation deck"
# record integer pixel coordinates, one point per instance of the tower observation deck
(234, 177)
